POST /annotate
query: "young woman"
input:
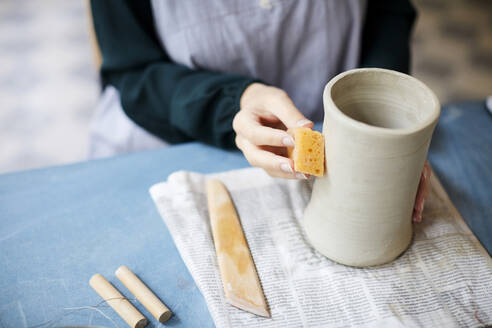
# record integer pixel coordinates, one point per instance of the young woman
(233, 73)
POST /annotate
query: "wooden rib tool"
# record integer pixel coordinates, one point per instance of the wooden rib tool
(239, 278)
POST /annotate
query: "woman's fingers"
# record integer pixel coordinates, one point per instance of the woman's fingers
(421, 193)
(283, 107)
(274, 165)
(276, 174)
(262, 158)
(260, 125)
(247, 125)
(265, 136)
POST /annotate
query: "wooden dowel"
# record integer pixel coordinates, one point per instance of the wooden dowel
(143, 294)
(118, 302)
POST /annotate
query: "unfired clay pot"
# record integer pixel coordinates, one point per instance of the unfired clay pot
(378, 126)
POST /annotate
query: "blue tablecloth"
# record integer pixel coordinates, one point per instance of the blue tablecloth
(59, 226)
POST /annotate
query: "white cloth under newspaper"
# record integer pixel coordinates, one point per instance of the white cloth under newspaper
(443, 280)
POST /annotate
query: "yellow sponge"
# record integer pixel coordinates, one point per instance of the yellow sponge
(309, 152)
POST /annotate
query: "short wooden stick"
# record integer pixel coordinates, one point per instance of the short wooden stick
(118, 302)
(143, 294)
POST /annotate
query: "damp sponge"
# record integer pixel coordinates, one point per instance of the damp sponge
(309, 152)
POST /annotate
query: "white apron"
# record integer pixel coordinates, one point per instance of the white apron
(295, 45)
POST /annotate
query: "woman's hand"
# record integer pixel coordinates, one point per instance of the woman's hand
(421, 193)
(260, 125)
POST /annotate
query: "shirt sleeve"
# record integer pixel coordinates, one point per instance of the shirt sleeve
(171, 101)
(386, 34)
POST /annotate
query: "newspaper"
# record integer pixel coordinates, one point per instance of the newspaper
(443, 280)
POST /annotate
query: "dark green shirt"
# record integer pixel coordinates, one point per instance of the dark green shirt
(180, 104)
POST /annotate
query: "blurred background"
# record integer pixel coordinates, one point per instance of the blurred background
(49, 85)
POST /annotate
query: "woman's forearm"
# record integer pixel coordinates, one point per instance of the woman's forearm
(169, 100)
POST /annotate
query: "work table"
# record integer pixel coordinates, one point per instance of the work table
(61, 225)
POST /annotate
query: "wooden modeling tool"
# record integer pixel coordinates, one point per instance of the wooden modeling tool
(143, 294)
(118, 302)
(239, 277)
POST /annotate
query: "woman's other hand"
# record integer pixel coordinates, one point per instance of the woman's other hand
(260, 125)
(421, 193)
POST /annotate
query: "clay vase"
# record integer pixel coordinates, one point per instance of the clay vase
(378, 126)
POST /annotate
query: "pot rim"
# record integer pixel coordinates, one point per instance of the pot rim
(330, 105)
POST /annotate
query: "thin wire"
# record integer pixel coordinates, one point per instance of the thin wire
(51, 322)
(75, 309)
